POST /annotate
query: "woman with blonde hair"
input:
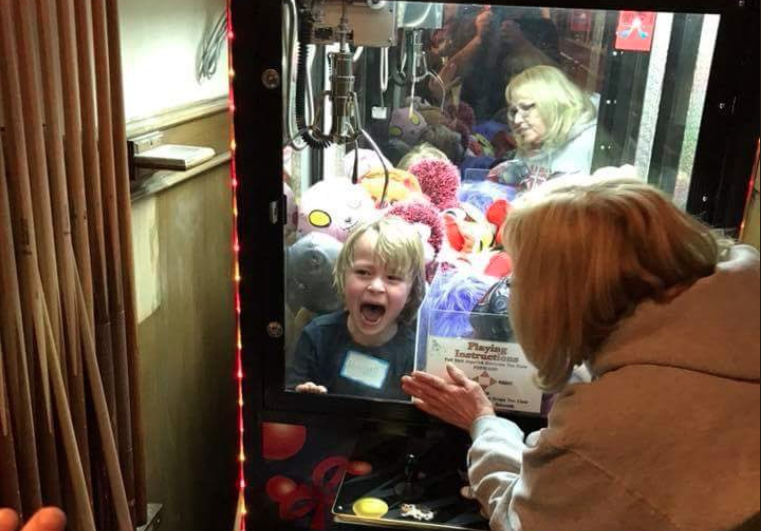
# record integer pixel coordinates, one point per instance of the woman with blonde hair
(609, 274)
(553, 122)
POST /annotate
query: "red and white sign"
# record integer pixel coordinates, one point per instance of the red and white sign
(635, 31)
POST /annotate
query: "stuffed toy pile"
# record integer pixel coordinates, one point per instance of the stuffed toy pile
(460, 223)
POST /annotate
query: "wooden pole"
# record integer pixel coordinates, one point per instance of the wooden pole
(102, 329)
(10, 491)
(25, 242)
(95, 205)
(75, 171)
(17, 157)
(125, 228)
(48, 287)
(22, 416)
(81, 496)
(31, 90)
(75, 158)
(118, 494)
(113, 249)
(63, 228)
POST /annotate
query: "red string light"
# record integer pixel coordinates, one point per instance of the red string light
(236, 252)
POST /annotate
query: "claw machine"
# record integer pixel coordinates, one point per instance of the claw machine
(438, 115)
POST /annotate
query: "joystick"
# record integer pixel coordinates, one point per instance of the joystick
(409, 490)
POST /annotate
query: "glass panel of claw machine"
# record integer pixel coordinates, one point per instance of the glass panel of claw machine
(436, 117)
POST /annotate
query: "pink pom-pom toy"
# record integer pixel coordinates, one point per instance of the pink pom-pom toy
(426, 218)
(425, 213)
(440, 181)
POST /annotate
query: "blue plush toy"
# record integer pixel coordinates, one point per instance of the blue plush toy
(446, 309)
(450, 299)
(483, 194)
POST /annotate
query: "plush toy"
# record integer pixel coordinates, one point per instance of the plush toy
(481, 146)
(287, 164)
(491, 128)
(291, 332)
(474, 148)
(462, 130)
(463, 113)
(440, 180)
(426, 218)
(434, 115)
(406, 125)
(500, 265)
(514, 173)
(490, 316)
(468, 230)
(460, 119)
(334, 207)
(503, 143)
(368, 161)
(451, 298)
(445, 139)
(309, 274)
(292, 212)
(396, 149)
(496, 215)
(482, 194)
(402, 186)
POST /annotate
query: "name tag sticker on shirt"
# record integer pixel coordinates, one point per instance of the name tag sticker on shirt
(365, 370)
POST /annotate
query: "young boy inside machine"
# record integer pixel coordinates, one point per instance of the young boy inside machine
(367, 348)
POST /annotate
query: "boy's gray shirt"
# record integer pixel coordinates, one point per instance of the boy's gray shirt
(666, 438)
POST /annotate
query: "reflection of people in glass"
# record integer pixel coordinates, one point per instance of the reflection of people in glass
(554, 124)
(495, 40)
(366, 349)
(609, 273)
(529, 41)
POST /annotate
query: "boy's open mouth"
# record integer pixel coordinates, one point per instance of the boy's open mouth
(372, 313)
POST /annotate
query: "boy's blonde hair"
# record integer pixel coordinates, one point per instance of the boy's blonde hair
(421, 152)
(559, 102)
(586, 254)
(399, 248)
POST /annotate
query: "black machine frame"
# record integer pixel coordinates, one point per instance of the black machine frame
(726, 148)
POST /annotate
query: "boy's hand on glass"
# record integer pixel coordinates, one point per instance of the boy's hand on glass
(458, 403)
(48, 519)
(311, 389)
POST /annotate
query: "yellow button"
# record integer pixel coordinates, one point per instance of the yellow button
(370, 508)
(319, 219)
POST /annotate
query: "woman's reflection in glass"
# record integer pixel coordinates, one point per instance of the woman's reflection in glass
(553, 122)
